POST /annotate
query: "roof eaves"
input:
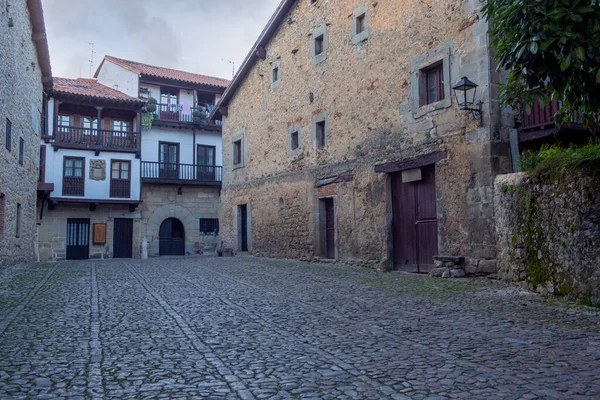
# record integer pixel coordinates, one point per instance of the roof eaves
(38, 36)
(264, 38)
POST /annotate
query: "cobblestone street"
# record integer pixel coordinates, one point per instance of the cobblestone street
(255, 328)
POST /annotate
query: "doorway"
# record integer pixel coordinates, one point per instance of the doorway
(78, 239)
(414, 220)
(171, 238)
(123, 238)
(327, 227)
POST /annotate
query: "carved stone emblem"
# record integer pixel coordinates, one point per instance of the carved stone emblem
(97, 170)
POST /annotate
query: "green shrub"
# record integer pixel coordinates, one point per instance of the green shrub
(555, 159)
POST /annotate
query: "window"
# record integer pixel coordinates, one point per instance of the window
(318, 45)
(237, 152)
(209, 227)
(205, 160)
(320, 134)
(294, 139)
(120, 178)
(64, 121)
(2, 212)
(18, 222)
(21, 151)
(89, 124)
(168, 157)
(73, 176)
(434, 84)
(8, 134)
(275, 74)
(121, 126)
(360, 23)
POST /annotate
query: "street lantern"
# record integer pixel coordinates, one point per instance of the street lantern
(465, 100)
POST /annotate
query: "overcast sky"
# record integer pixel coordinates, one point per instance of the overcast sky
(190, 35)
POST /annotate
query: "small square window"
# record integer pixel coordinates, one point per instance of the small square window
(209, 227)
(319, 45)
(237, 152)
(434, 84)
(320, 134)
(361, 23)
(294, 140)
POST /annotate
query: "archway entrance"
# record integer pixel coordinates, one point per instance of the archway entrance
(172, 238)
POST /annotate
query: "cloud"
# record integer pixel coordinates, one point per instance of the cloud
(191, 35)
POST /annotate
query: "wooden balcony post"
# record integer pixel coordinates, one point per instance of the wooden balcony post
(100, 125)
(55, 117)
(138, 135)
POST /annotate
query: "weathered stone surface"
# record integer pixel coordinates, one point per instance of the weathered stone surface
(369, 94)
(243, 328)
(458, 273)
(21, 96)
(487, 267)
(438, 272)
(548, 232)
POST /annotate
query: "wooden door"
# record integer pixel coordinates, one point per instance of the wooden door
(168, 157)
(414, 222)
(123, 238)
(330, 228)
(244, 227)
(171, 238)
(205, 160)
(78, 239)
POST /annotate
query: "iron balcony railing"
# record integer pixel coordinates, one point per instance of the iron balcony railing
(88, 138)
(180, 173)
(179, 113)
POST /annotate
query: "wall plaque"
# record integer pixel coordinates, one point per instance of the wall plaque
(99, 233)
(97, 170)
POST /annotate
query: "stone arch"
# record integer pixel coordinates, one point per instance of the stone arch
(171, 211)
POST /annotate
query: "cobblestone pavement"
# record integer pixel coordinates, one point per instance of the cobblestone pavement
(228, 328)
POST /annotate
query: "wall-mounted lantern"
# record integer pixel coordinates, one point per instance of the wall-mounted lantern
(465, 101)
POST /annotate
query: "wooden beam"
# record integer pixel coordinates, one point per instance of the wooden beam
(397, 166)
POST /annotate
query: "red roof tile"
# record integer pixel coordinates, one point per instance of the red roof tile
(167, 73)
(90, 88)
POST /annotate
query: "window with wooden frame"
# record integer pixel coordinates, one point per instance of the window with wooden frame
(64, 123)
(120, 179)
(237, 152)
(209, 227)
(73, 176)
(8, 138)
(121, 126)
(434, 84)
(21, 151)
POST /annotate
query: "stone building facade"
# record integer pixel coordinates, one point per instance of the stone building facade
(24, 72)
(342, 137)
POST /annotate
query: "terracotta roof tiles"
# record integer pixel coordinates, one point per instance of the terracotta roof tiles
(90, 88)
(167, 73)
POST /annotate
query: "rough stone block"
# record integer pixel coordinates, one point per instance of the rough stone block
(487, 267)
(457, 273)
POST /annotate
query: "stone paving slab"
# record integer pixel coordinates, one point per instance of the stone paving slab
(250, 328)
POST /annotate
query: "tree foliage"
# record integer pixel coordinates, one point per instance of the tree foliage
(551, 50)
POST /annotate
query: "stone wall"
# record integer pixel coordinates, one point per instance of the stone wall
(368, 93)
(52, 229)
(548, 232)
(186, 203)
(20, 102)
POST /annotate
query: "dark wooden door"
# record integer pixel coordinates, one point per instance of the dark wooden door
(171, 238)
(123, 238)
(205, 160)
(78, 239)
(244, 227)
(414, 222)
(168, 157)
(330, 228)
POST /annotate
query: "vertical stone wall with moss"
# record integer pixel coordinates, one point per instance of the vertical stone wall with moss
(548, 232)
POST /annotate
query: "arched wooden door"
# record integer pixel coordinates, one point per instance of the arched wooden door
(172, 238)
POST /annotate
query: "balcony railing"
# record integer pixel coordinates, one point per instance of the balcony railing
(541, 117)
(161, 172)
(179, 113)
(77, 137)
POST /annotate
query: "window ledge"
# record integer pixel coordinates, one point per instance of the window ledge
(237, 166)
(438, 105)
(361, 37)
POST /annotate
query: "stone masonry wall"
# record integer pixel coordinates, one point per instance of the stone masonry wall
(548, 232)
(21, 102)
(368, 92)
(186, 203)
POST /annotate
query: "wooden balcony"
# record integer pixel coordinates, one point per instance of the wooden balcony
(174, 115)
(181, 174)
(72, 137)
(541, 122)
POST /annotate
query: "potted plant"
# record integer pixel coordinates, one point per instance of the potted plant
(199, 116)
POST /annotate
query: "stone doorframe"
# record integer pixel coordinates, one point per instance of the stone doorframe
(190, 224)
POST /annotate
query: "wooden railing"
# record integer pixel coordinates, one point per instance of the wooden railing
(174, 112)
(120, 188)
(73, 186)
(541, 117)
(172, 172)
(77, 137)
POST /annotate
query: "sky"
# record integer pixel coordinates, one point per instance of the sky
(199, 36)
